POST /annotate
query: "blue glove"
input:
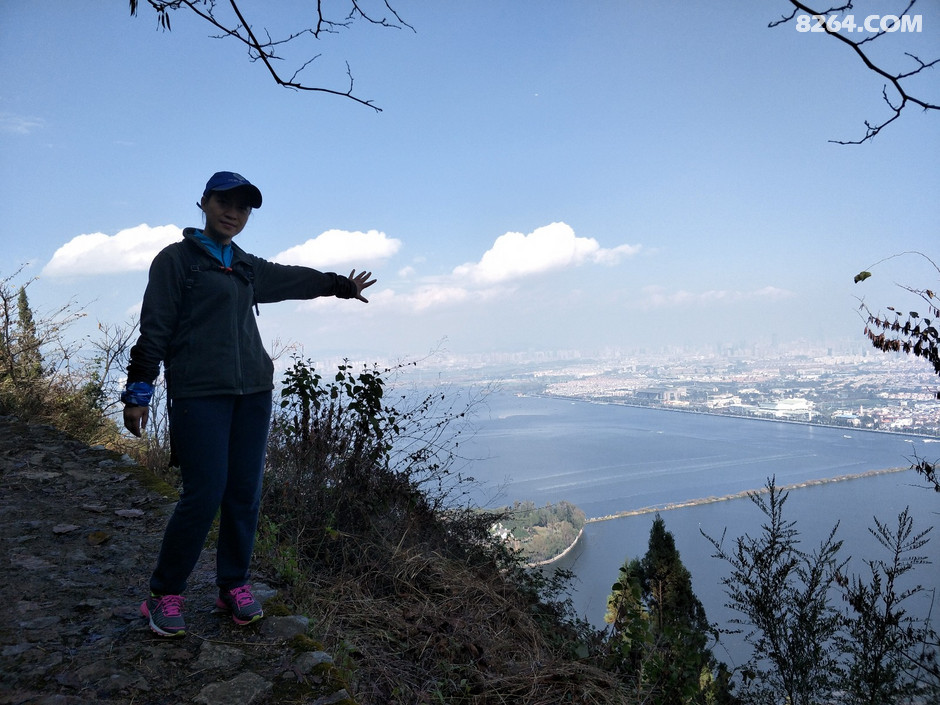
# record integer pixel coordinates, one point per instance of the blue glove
(137, 394)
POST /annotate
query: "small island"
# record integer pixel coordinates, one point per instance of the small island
(542, 534)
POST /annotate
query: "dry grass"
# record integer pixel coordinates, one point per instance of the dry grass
(422, 628)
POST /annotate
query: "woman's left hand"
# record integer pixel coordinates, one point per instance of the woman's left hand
(361, 281)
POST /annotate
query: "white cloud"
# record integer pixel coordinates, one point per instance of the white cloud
(420, 299)
(19, 124)
(774, 293)
(659, 297)
(335, 247)
(432, 296)
(130, 250)
(548, 248)
(496, 276)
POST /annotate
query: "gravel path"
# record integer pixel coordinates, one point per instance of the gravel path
(78, 536)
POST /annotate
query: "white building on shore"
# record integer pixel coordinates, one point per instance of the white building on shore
(792, 408)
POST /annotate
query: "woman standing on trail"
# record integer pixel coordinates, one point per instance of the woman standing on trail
(198, 319)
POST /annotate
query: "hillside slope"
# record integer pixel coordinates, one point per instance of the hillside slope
(79, 530)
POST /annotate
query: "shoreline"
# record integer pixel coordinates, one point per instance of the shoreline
(736, 495)
(709, 500)
(700, 501)
(549, 561)
(701, 412)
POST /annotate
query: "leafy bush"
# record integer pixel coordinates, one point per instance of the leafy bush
(344, 464)
(890, 656)
(806, 650)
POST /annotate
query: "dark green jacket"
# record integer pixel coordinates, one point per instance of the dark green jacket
(198, 318)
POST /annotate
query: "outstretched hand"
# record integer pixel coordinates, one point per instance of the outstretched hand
(361, 281)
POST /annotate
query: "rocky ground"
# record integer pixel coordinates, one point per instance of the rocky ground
(78, 536)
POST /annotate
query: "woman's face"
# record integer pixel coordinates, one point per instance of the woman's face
(226, 214)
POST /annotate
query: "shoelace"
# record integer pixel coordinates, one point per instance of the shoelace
(242, 595)
(171, 605)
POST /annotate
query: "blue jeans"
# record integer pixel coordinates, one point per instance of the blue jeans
(220, 442)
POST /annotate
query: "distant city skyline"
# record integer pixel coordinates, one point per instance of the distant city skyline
(878, 392)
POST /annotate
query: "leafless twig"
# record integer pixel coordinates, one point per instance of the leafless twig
(264, 50)
(902, 98)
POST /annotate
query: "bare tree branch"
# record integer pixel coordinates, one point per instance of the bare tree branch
(265, 50)
(903, 98)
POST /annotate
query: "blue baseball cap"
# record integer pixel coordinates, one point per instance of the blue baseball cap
(227, 180)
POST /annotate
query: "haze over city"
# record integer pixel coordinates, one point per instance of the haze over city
(541, 176)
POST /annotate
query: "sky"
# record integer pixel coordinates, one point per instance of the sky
(543, 175)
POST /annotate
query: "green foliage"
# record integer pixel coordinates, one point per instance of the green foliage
(281, 557)
(350, 475)
(891, 656)
(805, 649)
(540, 533)
(659, 632)
(20, 358)
(667, 585)
(343, 461)
(914, 334)
(28, 361)
(631, 632)
(782, 593)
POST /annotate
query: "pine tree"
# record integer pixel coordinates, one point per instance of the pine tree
(668, 584)
(26, 349)
(631, 634)
(660, 633)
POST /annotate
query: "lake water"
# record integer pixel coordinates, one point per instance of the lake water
(609, 459)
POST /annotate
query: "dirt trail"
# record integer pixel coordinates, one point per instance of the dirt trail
(78, 536)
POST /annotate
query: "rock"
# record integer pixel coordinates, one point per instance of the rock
(120, 682)
(56, 700)
(43, 622)
(307, 661)
(284, 628)
(245, 688)
(41, 475)
(30, 562)
(337, 697)
(218, 656)
(96, 538)
(263, 592)
(15, 649)
(96, 671)
(129, 613)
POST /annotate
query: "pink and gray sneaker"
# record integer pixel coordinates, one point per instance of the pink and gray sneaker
(165, 613)
(243, 606)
